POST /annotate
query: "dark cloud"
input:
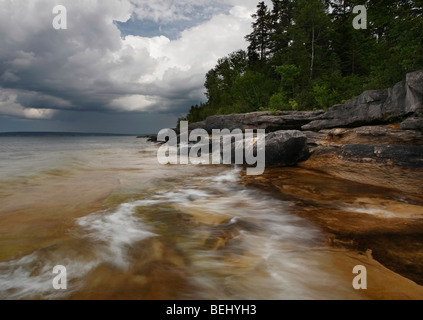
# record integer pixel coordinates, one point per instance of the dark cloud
(108, 66)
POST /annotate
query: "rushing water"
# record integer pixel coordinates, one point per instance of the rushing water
(126, 227)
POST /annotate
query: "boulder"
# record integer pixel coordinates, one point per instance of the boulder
(286, 148)
(282, 148)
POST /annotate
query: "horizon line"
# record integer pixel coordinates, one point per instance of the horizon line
(70, 133)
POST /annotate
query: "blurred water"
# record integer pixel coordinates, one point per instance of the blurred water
(127, 228)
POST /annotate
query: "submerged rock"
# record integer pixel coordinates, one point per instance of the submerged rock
(354, 215)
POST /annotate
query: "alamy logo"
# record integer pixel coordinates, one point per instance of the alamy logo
(360, 21)
(60, 282)
(224, 147)
(60, 21)
(360, 281)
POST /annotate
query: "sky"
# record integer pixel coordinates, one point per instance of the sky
(121, 66)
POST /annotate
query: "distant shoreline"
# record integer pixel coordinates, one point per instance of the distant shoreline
(63, 134)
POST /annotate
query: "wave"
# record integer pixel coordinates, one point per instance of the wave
(114, 232)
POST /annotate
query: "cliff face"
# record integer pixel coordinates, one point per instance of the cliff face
(355, 141)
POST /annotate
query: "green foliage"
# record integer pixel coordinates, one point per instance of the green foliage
(279, 102)
(306, 55)
(293, 104)
(253, 90)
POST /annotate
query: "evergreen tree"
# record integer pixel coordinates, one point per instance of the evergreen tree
(311, 30)
(281, 18)
(305, 54)
(259, 38)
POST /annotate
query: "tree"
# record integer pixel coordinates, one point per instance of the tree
(312, 29)
(281, 18)
(289, 74)
(252, 91)
(305, 54)
(259, 38)
(355, 54)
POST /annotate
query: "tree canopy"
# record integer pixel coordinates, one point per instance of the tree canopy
(306, 55)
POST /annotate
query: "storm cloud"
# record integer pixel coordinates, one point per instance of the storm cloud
(104, 64)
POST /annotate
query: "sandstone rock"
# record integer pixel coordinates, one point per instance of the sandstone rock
(404, 156)
(357, 216)
(371, 135)
(377, 169)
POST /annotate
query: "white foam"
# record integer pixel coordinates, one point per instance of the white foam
(32, 276)
(228, 176)
(115, 232)
(374, 211)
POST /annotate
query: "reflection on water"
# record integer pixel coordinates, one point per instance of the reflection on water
(126, 228)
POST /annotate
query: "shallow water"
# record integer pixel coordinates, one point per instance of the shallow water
(126, 227)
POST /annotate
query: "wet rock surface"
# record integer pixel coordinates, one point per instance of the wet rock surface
(355, 216)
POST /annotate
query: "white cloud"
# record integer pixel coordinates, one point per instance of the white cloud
(89, 66)
(133, 103)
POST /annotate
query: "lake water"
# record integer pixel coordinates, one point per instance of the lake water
(126, 227)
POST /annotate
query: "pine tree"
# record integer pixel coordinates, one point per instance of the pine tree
(259, 38)
(281, 18)
(311, 29)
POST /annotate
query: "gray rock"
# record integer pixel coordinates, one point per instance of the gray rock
(152, 138)
(197, 125)
(286, 148)
(288, 120)
(415, 92)
(372, 107)
(282, 148)
(413, 124)
(376, 106)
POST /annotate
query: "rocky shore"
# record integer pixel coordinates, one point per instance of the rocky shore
(375, 138)
(367, 153)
